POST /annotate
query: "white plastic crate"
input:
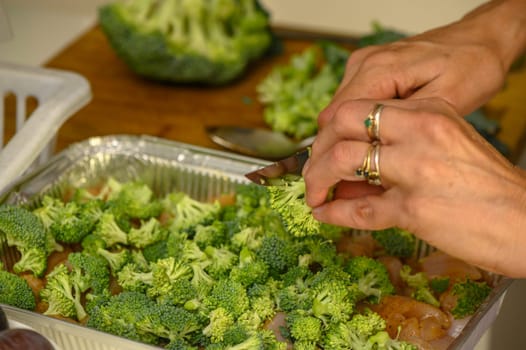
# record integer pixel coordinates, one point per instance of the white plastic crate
(58, 94)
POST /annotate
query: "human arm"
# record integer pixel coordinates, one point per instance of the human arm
(463, 63)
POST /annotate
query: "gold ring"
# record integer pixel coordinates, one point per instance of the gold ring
(363, 172)
(374, 172)
(372, 123)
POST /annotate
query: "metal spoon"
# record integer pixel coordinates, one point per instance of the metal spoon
(256, 142)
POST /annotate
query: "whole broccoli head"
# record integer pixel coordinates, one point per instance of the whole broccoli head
(187, 41)
(15, 291)
(25, 231)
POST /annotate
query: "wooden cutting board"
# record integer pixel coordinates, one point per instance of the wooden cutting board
(124, 103)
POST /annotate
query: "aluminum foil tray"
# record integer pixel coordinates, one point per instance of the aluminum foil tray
(165, 166)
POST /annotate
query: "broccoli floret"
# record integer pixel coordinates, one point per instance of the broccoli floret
(132, 278)
(187, 40)
(363, 331)
(187, 212)
(15, 291)
(249, 198)
(396, 241)
(469, 296)
(287, 197)
(213, 234)
(90, 272)
(75, 221)
(134, 200)
(278, 253)
(220, 321)
(294, 94)
(221, 261)
(120, 314)
(155, 251)
(230, 295)
(371, 277)
(304, 328)
(147, 233)
(25, 231)
(63, 293)
(164, 273)
(332, 301)
(250, 269)
(109, 230)
(247, 237)
(115, 259)
(439, 284)
(420, 285)
(92, 243)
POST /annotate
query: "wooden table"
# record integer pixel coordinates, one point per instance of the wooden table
(123, 103)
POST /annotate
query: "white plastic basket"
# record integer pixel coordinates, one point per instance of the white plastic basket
(58, 95)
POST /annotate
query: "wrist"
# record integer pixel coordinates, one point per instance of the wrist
(501, 25)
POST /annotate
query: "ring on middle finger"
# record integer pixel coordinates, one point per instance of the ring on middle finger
(372, 123)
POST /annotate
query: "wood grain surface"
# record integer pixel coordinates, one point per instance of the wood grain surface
(124, 103)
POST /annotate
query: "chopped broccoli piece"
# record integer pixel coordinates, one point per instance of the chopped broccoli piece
(108, 229)
(287, 197)
(187, 41)
(134, 200)
(304, 328)
(220, 322)
(155, 251)
(470, 295)
(147, 233)
(278, 253)
(132, 278)
(74, 221)
(250, 269)
(371, 276)
(187, 212)
(122, 313)
(115, 259)
(25, 231)
(395, 241)
(420, 285)
(90, 272)
(230, 295)
(62, 293)
(294, 94)
(15, 291)
(439, 284)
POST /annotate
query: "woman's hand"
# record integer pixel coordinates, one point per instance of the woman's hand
(440, 180)
(463, 63)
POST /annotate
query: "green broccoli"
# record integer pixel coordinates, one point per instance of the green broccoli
(280, 254)
(25, 231)
(133, 199)
(62, 293)
(90, 272)
(73, 221)
(109, 230)
(363, 331)
(371, 277)
(304, 328)
(187, 41)
(230, 295)
(122, 313)
(221, 261)
(132, 278)
(332, 301)
(147, 233)
(15, 291)
(220, 321)
(213, 234)
(294, 94)
(287, 197)
(395, 241)
(164, 273)
(250, 269)
(469, 296)
(116, 259)
(420, 285)
(155, 251)
(187, 212)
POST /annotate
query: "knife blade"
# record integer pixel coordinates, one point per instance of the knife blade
(292, 165)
